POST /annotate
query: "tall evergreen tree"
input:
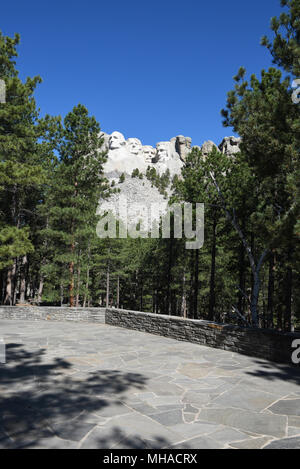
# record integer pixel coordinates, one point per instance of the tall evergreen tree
(264, 115)
(21, 169)
(75, 190)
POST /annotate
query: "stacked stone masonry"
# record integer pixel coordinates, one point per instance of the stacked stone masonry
(261, 343)
(51, 313)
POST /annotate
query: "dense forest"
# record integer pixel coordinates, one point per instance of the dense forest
(51, 180)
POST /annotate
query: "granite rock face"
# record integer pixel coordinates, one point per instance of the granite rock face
(126, 156)
(149, 153)
(137, 196)
(230, 146)
(123, 155)
(167, 158)
(207, 147)
(183, 146)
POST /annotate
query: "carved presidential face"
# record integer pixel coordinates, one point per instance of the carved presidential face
(149, 153)
(230, 145)
(235, 142)
(134, 145)
(116, 141)
(162, 149)
(183, 146)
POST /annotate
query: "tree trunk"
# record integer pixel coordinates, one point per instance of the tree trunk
(242, 269)
(71, 286)
(8, 294)
(71, 266)
(183, 302)
(2, 293)
(23, 279)
(86, 286)
(86, 294)
(107, 286)
(71, 271)
(255, 290)
(279, 318)
(118, 291)
(192, 283)
(242, 281)
(270, 307)
(288, 326)
(255, 268)
(78, 287)
(141, 298)
(8, 300)
(196, 285)
(40, 290)
(212, 295)
(61, 295)
(153, 301)
(254, 299)
(168, 298)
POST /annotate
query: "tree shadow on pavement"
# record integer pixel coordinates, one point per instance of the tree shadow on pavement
(271, 371)
(116, 438)
(43, 398)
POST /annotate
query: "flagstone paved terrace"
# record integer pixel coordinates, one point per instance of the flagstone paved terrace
(75, 385)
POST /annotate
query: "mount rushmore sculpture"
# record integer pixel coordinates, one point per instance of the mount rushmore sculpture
(125, 156)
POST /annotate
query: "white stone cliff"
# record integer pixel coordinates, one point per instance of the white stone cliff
(124, 156)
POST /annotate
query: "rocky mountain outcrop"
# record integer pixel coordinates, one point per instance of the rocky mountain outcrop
(124, 156)
(127, 156)
(208, 147)
(183, 146)
(136, 194)
(230, 146)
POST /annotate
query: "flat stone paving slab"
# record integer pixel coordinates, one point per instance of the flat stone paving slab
(76, 385)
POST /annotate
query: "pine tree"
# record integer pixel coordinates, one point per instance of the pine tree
(75, 189)
(21, 168)
(264, 115)
(285, 47)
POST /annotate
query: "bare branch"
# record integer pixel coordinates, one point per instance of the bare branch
(261, 260)
(235, 224)
(235, 310)
(244, 294)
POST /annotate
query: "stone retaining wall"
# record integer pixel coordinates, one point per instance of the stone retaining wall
(260, 343)
(52, 313)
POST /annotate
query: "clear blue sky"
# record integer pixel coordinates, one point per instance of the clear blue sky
(150, 69)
